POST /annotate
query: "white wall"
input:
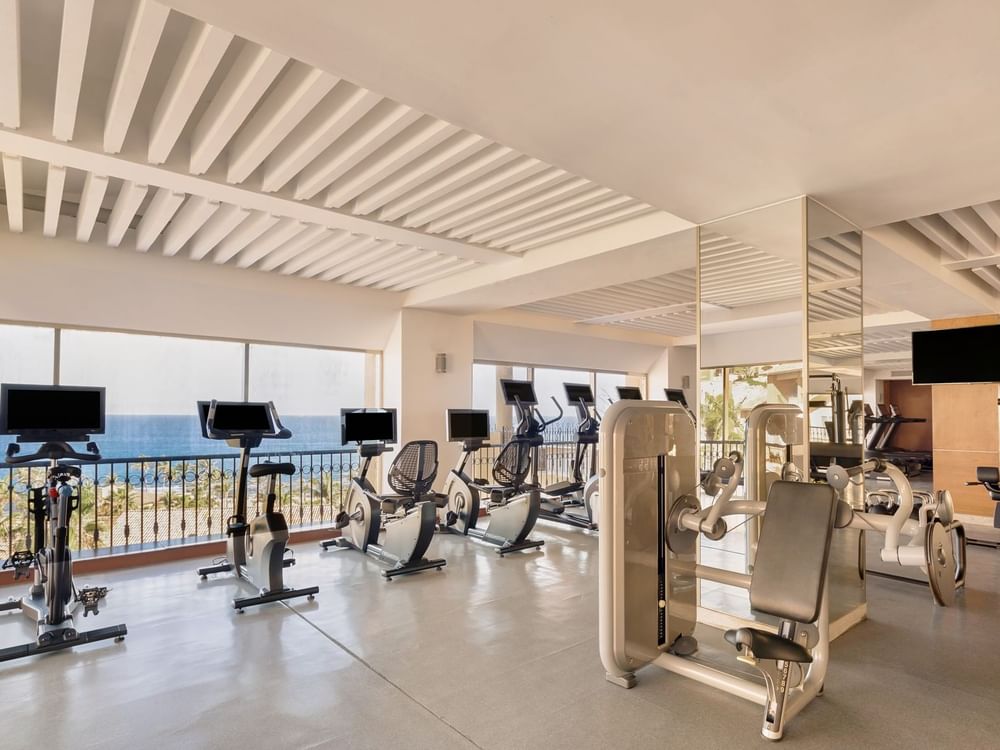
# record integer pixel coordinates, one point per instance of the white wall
(683, 362)
(59, 281)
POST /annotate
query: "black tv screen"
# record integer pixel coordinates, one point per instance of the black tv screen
(957, 355)
(237, 417)
(41, 409)
(577, 392)
(518, 390)
(468, 424)
(368, 426)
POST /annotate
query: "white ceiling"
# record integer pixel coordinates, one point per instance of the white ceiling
(136, 125)
(881, 110)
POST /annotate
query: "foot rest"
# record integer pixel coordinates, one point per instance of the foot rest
(760, 644)
(21, 561)
(91, 597)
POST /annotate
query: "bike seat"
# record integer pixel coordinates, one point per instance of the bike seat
(765, 645)
(269, 468)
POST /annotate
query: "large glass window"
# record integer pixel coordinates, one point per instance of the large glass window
(153, 384)
(548, 386)
(606, 390)
(309, 387)
(27, 358)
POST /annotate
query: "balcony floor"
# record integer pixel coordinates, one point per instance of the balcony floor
(489, 653)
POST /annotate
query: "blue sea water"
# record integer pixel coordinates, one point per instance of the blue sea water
(156, 435)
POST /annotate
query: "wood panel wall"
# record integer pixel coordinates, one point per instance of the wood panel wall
(912, 401)
(966, 432)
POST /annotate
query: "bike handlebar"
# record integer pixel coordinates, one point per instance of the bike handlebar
(52, 450)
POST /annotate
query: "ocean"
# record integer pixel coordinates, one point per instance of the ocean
(156, 435)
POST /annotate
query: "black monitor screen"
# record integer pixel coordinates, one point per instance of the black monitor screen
(629, 393)
(468, 424)
(518, 390)
(957, 355)
(236, 417)
(676, 394)
(368, 426)
(27, 409)
(577, 392)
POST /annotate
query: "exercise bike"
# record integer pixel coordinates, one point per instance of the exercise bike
(407, 520)
(560, 500)
(53, 416)
(256, 551)
(512, 512)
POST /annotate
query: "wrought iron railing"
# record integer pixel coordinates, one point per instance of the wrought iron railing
(139, 503)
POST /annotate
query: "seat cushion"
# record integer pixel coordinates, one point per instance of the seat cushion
(268, 468)
(765, 645)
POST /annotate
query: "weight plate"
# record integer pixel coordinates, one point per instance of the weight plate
(940, 557)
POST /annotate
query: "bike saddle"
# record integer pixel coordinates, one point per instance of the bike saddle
(269, 468)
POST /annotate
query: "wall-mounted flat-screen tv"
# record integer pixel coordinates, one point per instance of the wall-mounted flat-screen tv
(957, 355)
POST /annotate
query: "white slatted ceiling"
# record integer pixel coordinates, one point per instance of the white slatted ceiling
(969, 237)
(193, 97)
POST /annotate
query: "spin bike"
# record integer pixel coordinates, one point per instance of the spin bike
(560, 500)
(512, 512)
(408, 523)
(53, 599)
(255, 551)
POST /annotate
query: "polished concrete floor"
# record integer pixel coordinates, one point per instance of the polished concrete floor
(489, 653)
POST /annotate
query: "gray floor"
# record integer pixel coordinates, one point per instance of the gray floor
(489, 653)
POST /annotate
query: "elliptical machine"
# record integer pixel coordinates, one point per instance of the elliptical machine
(53, 416)
(409, 526)
(255, 551)
(560, 500)
(512, 514)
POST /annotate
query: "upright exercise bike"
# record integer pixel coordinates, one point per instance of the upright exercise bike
(512, 512)
(53, 416)
(255, 551)
(408, 523)
(562, 501)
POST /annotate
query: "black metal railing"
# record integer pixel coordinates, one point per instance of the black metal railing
(556, 457)
(138, 503)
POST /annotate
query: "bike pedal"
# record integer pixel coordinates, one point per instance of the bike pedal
(91, 598)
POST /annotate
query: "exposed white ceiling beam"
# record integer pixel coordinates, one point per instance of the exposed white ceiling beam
(196, 63)
(827, 286)
(354, 247)
(477, 165)
(360, 260)
(978, 262)
(542, 199)
(649, 312)
(343, 107)
(253, 72)
(10, 63)
(405, 266)
(969, 225)
(408, 146)
(161, 210)
(77, 15)
(990, 275)
(498, 199)
(990, 213)
(585, 197)
(400, 256)
(189, 219)
(243, 235)
(571, 217)
(129, 199)
(451, 270)
(322, 249)
(223, 221)
(13, 183)
(295, 246)
(142, 35)
(427, 269)
(941, 234)
(508, 174)
(270, 240)
(55, 181)
(72, 155)
(426, 167)
(572, 230)
(300, 89)
(91, 200)
(386, 120)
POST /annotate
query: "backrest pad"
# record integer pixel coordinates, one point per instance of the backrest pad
(793, 550)
(414, 469)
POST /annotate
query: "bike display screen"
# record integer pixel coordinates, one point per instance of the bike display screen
(368, 426)
(518, 390)
(61, 410)
(468, 424)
